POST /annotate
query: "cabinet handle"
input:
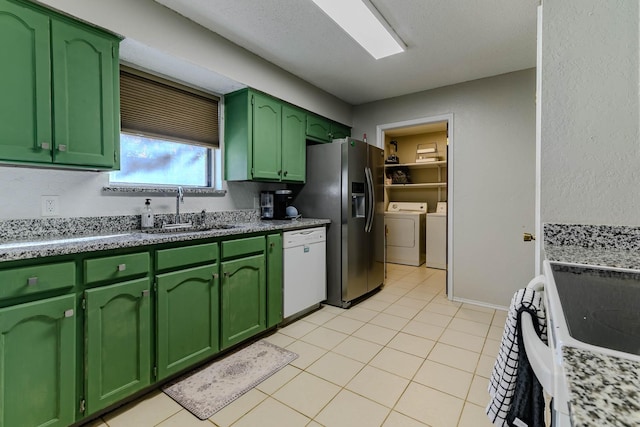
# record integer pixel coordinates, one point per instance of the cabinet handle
(32, 281)
(285, 173)
(45, 146)
(271, 245)
(215, 275)
(280, 172)
(146, 293)
(122, 267)
(226, 274)
(62, 147)
(68, 313)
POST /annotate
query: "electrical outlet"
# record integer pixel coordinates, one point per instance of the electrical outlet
(50, 205)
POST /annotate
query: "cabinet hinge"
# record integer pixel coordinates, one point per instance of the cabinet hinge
(155, 287)
(84, 303)
(82, 406)
(115, 157)
(113, 51)
(252, 100)
(155, 372)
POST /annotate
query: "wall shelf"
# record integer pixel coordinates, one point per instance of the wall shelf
(421, 185)
(440, 163)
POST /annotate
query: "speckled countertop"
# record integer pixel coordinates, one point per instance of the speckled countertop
(103, 238)
(604, 390)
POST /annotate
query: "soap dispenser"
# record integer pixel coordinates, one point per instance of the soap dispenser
(147, 215)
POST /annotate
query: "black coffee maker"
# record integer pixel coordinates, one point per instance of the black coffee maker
(282, 200)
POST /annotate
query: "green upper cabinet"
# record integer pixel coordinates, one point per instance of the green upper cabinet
(320, 129)
(339, 131)
(59, 80)
(86, 104)
(38, 363)
(264, 139)
(25, 84)
(294, 153)
(267, 138)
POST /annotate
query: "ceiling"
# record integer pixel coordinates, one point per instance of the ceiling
(448, 42)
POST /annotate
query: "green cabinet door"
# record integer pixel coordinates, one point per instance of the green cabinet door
(38, 363)
(339, 131)
(25, 88)
(187, 317)
(274, 279)
(318, 128)
(266, 137)
(294, 147)
(84, 103)
(243, 305)
(118, 342)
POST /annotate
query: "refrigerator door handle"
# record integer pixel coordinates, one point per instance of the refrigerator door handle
(371, 199)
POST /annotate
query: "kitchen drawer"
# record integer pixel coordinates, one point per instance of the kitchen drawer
(187, 255)
(115, 267)
(239, 247)
(22, 281)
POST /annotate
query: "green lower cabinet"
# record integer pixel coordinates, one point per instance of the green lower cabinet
(187, 318)
(118, 342)
(243, 291)
(38, 363)
(274, 280)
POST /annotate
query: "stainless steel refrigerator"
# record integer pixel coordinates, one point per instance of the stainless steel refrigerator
(345, 183)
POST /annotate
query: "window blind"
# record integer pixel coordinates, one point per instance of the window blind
(157, 108)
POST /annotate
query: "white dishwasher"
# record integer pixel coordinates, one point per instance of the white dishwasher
(305, 272)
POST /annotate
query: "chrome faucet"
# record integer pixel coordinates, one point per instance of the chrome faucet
(179, 199)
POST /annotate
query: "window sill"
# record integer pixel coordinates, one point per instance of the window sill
(131, 190)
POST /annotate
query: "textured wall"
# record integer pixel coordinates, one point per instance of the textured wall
(590, 145)
(493, 124)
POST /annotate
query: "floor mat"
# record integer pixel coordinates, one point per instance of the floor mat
(209, 389)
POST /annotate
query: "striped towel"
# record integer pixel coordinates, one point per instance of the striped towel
(513, 386)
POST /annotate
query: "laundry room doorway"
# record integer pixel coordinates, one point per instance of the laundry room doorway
(418, 192)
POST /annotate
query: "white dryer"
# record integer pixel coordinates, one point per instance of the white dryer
(405, 224)
(437, 237)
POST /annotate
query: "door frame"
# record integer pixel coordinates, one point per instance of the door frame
(380, 133)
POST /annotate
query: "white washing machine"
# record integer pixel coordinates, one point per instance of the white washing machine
(437, 237)
(405, 224)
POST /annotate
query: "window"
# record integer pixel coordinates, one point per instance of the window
(169, 133)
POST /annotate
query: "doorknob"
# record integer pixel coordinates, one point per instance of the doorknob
(527, 237)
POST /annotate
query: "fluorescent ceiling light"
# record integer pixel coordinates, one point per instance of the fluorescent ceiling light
(361, 20)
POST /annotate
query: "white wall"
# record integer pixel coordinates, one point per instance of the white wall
(590, 142)
(169, 35)
(80, 195)
(494, 119)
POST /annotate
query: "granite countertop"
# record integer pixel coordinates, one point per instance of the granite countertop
(600, 257)
(70, 244)
(604, 390)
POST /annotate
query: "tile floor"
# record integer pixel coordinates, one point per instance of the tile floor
(405, 357)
